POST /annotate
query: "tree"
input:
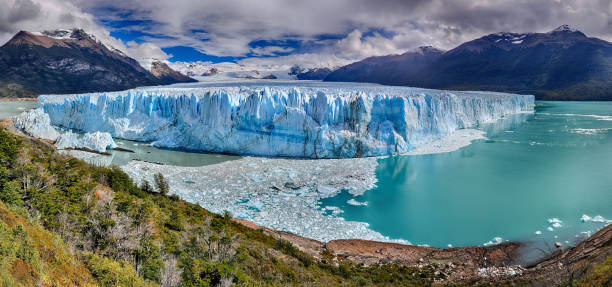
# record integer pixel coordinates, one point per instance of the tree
(11, 193)
(146, 186)
(161, 183)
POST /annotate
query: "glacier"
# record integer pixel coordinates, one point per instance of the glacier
(306, 120)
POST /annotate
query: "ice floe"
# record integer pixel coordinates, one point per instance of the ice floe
(597, 218)
(590, 131)
(495, 241)
(352, 201)
(555, 222)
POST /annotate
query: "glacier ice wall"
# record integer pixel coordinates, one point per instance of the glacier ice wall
(295, 120)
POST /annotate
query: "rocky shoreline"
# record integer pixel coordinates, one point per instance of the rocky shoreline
(33, 99)
(470, 265)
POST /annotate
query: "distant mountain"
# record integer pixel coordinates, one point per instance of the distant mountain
(563, 64)
(390, 69)
(167, 75)
(66, 61)
(309, 74)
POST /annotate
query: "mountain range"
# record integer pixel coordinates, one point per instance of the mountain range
(563, 64)
(72, 61)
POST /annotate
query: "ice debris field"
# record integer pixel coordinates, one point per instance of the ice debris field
(314, 120)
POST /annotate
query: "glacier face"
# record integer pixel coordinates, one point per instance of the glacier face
(310, 120)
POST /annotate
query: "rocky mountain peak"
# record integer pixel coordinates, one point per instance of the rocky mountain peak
(428, 50)
(564, 28)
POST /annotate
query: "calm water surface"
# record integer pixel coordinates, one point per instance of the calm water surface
(146, 152)
(556, 163)
(12, 108)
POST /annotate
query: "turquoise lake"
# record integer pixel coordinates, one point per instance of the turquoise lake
(555, 163)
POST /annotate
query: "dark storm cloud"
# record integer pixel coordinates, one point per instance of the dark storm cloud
(15, 12)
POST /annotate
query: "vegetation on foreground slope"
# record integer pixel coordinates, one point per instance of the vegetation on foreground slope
(66, 223)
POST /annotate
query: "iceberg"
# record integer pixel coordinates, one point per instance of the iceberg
(35, 123)
(97, 141)
(306, 120)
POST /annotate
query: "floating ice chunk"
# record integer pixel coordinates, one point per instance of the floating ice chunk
(450, 246)
(538, 232)
(94, 141)
(35, 123)
(67, 140)
(555, 222)
(98, 141)
(326, 190)
(590, 131)
(550, 228)
(597, 218)
(585, 218)
(495, 241)
(352, 201)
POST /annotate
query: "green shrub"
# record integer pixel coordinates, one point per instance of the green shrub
(113, 273)
(12, 193)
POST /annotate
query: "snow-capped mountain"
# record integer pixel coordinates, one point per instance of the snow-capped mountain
(66, 61)
(207, 71)
(563, 64)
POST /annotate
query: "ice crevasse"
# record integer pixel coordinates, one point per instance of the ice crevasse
(309, 121)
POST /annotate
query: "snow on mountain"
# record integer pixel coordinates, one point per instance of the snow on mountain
(208, 71)
(75, 34)
(311, 120)
(564, 28)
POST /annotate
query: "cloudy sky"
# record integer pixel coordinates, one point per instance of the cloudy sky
(324, 32)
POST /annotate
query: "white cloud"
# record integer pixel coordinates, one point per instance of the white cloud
(146, 53)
